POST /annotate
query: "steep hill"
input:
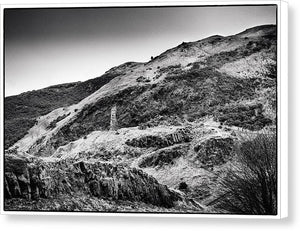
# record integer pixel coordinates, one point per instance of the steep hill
(180, 117)
(192, 80)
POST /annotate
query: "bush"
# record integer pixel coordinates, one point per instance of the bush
(182, 186)
(142, 79)
(243, 116)
(251, 186)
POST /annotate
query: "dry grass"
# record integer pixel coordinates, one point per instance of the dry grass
(251, 186)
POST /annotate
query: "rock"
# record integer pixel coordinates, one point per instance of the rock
(179, 136)
(13, 185)
(213, 151)
(38, 179)
(164, 156)
(24, 185)
(7, 193)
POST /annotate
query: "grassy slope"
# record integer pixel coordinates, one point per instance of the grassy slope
(21, 111)
(188, 95)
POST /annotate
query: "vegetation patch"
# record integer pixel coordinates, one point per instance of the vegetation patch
(219, 59)
(59, 118)
(143, 79)
(165, 156)
(21, 111)
(251, 186)
(15, 129)
(213, 151)
(248, 117)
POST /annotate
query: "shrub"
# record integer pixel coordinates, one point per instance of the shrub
(243, 116)
(251, 186)
(55, 121)
(271, 71)
(142, 79)
(182, 186)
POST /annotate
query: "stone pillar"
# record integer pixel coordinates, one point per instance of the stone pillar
(113, 118)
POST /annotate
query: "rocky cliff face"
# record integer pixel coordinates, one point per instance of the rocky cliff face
(33, 179)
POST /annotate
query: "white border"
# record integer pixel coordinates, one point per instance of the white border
(145, 3)
(283, 109)
(282, 24)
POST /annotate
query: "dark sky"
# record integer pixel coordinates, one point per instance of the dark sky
(50, 46)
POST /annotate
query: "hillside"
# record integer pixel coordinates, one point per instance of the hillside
(180, 118)
(22, 111)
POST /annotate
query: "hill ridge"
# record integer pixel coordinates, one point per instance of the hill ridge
(184, 57)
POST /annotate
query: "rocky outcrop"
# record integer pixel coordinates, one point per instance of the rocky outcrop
(164, 156)
(213, 151)
(179, 136)
(34, 179)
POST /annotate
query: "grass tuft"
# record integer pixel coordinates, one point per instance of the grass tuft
(251, 186)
